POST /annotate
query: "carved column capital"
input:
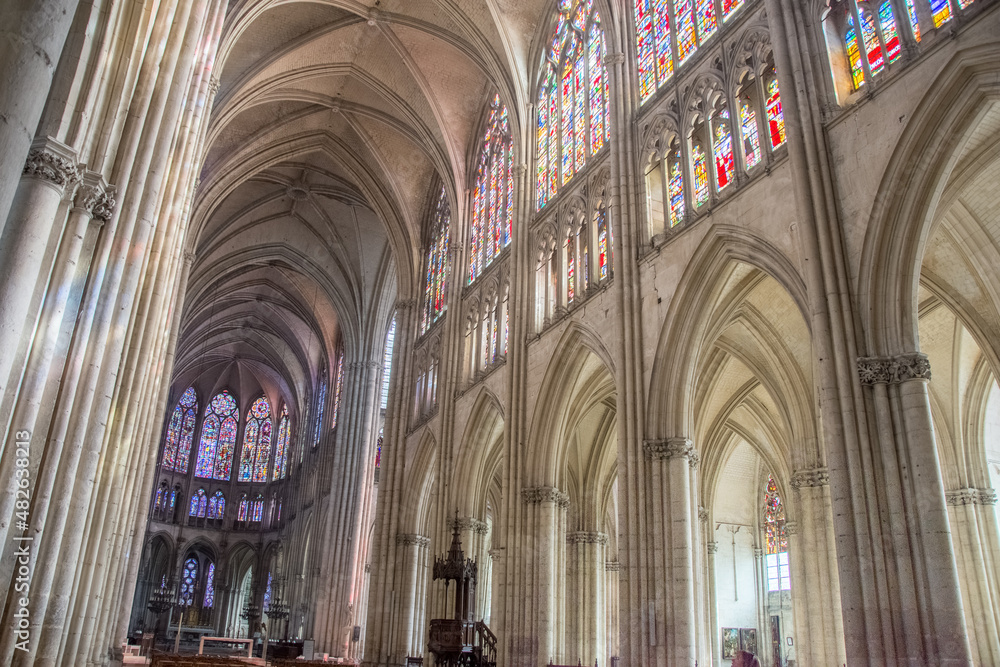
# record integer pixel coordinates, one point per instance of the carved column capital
(615, 58)
(412, 539)
(189, 258)
(586, 537)
(405, 304)
(52, 161)
(702, 513)
(96, 197)
(612, 566)
(213, 86)
(520, 168)
(665, 449)
(363, 365)
(712, 547)
(469, 523)
(495, 554)
(810, 477)
(791, 527)
(893, 370)
(971, 496)
(536, 495)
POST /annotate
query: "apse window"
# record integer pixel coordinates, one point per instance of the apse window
(779, 577)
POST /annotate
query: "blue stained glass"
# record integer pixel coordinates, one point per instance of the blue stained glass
(189, 580)
(180, 433)
(282, 444)
(492, 204)
(218, 438)
(256, 442)
(199, 504)
(217, 506)
(210, 587)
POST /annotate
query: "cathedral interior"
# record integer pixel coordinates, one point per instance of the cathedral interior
(501, 332)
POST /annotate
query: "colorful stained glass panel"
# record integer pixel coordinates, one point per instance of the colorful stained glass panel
(751, 138)
(775, 116)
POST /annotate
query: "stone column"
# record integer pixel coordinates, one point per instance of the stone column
(538, 640)
(675, 519)
(611, 612)
(714, 644)
(49, 173)
(586, 621)
(924, 605)
(31, 41)
(975, 528)
(412, 551)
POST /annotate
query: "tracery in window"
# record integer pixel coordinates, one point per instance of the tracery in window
(217, 505)
(436, 278)
(573, 100)
(493, 196)
(256, 442)
(282, 444)
(879, 41)
(199, 504)
(338, 390)
(189, 581)
(390, 338)
(775, 540)
(180, 433)
(218, 438)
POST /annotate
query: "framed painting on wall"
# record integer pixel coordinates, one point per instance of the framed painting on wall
(748, 639)
(730, 642)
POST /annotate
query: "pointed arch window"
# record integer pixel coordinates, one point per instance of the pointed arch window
(180, 433)
(282, 443)
(217, 505)
(722, 148)
(256, 442)
(437, 263)
(775, 116)
(189, 581)
(199, 504)
(573, 100)
(775, 540)
(338, 390)
(218, 438)
(493, 196)
(244, 509)
(675, 186)
(267, 594)
(162, 497)
(748, 130)
(257, 508)
(210, 587)
(390, 338)
(604, 242)
(320, 407)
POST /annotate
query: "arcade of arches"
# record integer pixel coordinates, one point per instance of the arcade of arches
(685, 314)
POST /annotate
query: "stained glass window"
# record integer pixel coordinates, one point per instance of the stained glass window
(940, 12)
(267, 594)
(189, 581)
(872, 46)
(570, 268)
(162, 493)
(706, 19)
(174, 493)
(854, 54)
(244, 509)
(492, 201)
(775, 540)
(257, 508)
(962, 4)
(320, 407)
(911, 11)
(210, 587)
(675, 188)
(573, 100)
(730, 6)
(722, 147)
(748, 130)
(338, 390)
(775, 116)
(180, 433)
(686, 40)
(218, 438)
(256, 442)
(604, 240)
(217, 505)
(390, 337)
(282, 444)
(378, 450)
(437, 264)
(887, 24)
(700, 169)
(199, 504)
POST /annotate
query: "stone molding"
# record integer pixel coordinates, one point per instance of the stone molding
(362, 365)
(758, 553)
(495, 554)
(586, 537)
(893, 370)
(791, 528)
(668, 448)
(810, 477)
(406, 304)
(971, 496)
(536, 495)
(96, 197)
(213, 86)
(469, 523)
(712, 547)
(702, 513)
(615, 58)
(410, 539)
(52, 161)
(520, 168)
(612, 566)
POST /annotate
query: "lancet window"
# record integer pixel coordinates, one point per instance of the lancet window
(282, 444)
(180, 433)
(320, 407)
(218, 438)
(390, 338)
(189, 582)
(256, 442)
(573, 101)
(217, 506)
(338, 390)
(661, 42)
(199, 504)
(210, 587)
(493, 196)
(436, 279)
(257, 508)
(775, 540)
